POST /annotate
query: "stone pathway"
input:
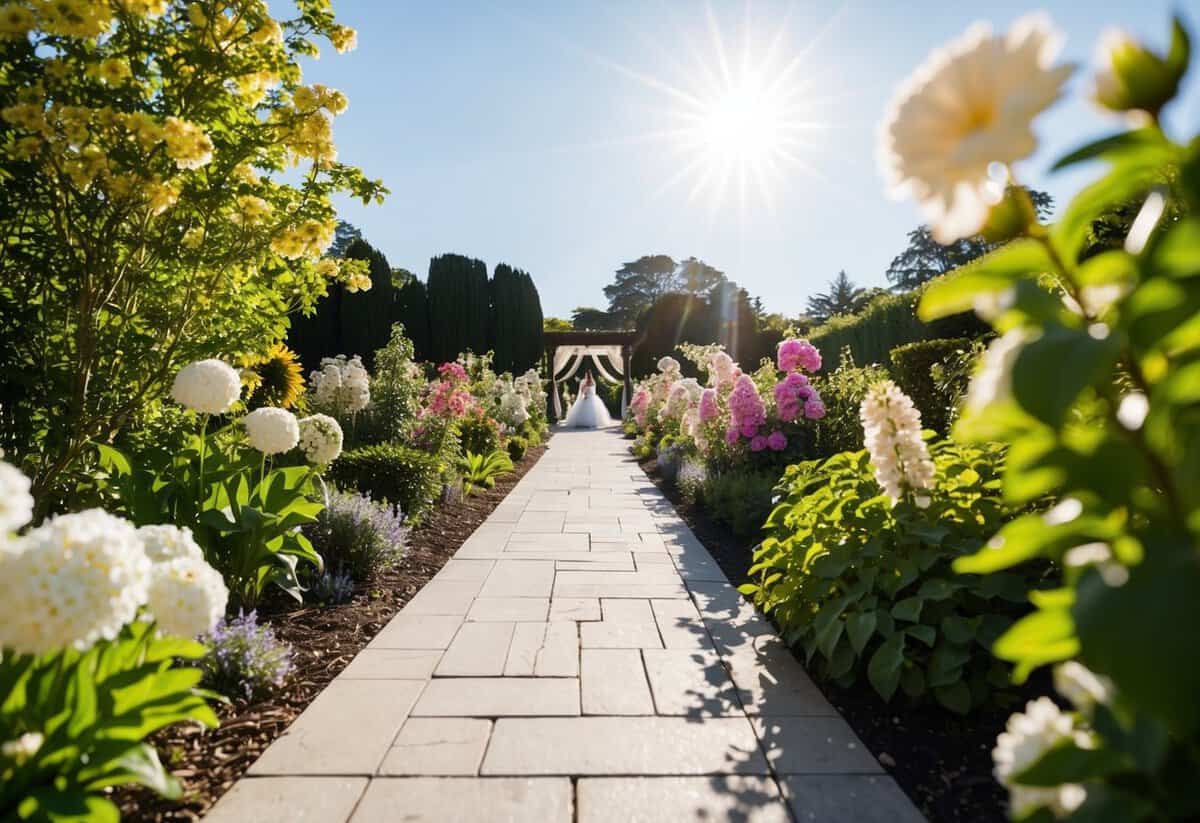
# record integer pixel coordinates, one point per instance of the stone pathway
(581, 658)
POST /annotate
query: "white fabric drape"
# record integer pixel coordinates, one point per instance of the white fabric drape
(568, 359)
(561, 374)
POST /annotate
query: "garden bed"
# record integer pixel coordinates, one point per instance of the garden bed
(325, 640)
(942, 761)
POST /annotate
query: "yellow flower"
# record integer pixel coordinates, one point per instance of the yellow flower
(25, 148)
(187, 144)
(252, 210)
(143, 8)
(971, 104)
(245, 173)
(115, 71)
(327, 267)
(74, 18)
(268, 32)
(192, 238)
(305, 98)
(27, 116)
(15, 21)
(161, 196)
(344, 39)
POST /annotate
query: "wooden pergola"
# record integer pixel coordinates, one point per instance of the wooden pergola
(627, 340)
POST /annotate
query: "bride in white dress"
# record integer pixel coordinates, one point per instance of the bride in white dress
(588, 411)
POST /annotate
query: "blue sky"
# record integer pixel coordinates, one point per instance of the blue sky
(546, 135)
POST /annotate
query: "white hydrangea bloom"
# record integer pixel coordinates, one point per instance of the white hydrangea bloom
(187, 597)
(16, 503)
(166, 542)
(272, 430)
(1026, 737)
(321, 439)
(892, 435)
(74, 580)
(21, 750)
(207, 386)
(1082, 686)
(970, 104)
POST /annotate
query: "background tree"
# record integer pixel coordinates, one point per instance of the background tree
(343, 236)
(556, 324)
(411, 308)
(925, 258)
(458, 306)
(516, 320)
(586, 317)
(151, 216)
(638, 284)
(697, 277)
(843, 297)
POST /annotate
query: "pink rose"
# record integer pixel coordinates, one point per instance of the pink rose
(814, 409)
(758, 443)
(776, 441)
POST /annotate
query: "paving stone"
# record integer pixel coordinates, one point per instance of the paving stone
(512, 609)
(680, 625)
(499, 697)
(575, 608)
(626, 611)
(834, 798)
(690, 683)
(620, 635)
(813, 745)
(549, 542)
(534, 522)
(465, 569)
(733, 623)
(678, 799)
(614, 682)
(465, 800)
(772, 683)
(478, 650)
(622, 745)
(559, 655)
(416, 631)
(519, 578)
(392, 664)
(347, 730)
(438, 746)
(635, 588)
(289, 800)
(527, 641)
(449, 597)
(642, 559)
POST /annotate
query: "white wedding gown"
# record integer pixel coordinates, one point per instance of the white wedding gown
(588, 411)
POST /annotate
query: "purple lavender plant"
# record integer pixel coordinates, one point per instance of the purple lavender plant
(244, 658)
(356, 536)
(333, 588)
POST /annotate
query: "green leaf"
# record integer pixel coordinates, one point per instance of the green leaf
(1046, 636)
(114, 461)
(1118, 145)
(926, 634)
(1131, 176)
(1079, 359)
(859, 627)
(1068, 763)
(1001, 269)
(959, 629)
(938, 588)
(956, 697)
(884, 668)
(908, 609)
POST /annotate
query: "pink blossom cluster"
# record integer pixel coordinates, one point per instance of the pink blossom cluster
(793, 354)
(449, 397)
(776, 441)
(453, 372)
(640, 405)
(722, 371)
(746, 410)
(709, 410)
(795, 397)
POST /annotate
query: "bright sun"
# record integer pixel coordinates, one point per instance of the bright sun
(741, 125)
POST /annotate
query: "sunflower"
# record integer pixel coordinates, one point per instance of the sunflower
(274, 379)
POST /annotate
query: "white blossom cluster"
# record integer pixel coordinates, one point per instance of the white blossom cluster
(529, 385)
(341, 384)
(1027, 736)
(321, 439)
(79, 578)
(683, 395)
(272, 430)
(207, 386)
(16, 503)
(513, 409)
(892, 435)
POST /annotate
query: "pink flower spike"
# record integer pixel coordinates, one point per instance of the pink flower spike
(814, 409)
(777, 441)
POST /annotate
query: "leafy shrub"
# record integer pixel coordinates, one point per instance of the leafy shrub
(670, 456)
(952, 377)
(517, 446)
(690, 479)
(866, 586)
(481, 471)
(396, 386)
(843, 390)
(741, 500)
(410, 478)
(245, 659)
(332, 588)
(356, 536)
(912, 368)
(478, 433)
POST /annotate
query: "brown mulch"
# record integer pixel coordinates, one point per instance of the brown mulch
(325, 639)
(942, 761)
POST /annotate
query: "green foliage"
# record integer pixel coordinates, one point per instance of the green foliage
(479, 471)
(842, 390)
(94, 710)
(517, 446)
(478, 433)
(739, 499)
(515, 330)
(396, 386)
(867, 588)
(244, 516)
(913, 367)
(888, 321)
(842, 298)
(410, 478)
(458, 306)
(1095, 386)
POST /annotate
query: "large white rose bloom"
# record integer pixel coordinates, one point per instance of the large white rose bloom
(207, 386)
(187, 597)
(321, 439)
(970, 104)
(16, 504)
(1026, 737)
(892, 435)
(166, 542)
(272, 430)
(74, 580)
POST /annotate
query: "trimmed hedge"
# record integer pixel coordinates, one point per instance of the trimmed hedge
(911, 369)
(409, 477)
(888, 321)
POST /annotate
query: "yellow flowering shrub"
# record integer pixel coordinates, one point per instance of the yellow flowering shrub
(153, 210)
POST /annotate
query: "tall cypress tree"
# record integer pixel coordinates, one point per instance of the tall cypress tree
(366, 317)
(458, 306)
(505, 314)
(411, 307)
